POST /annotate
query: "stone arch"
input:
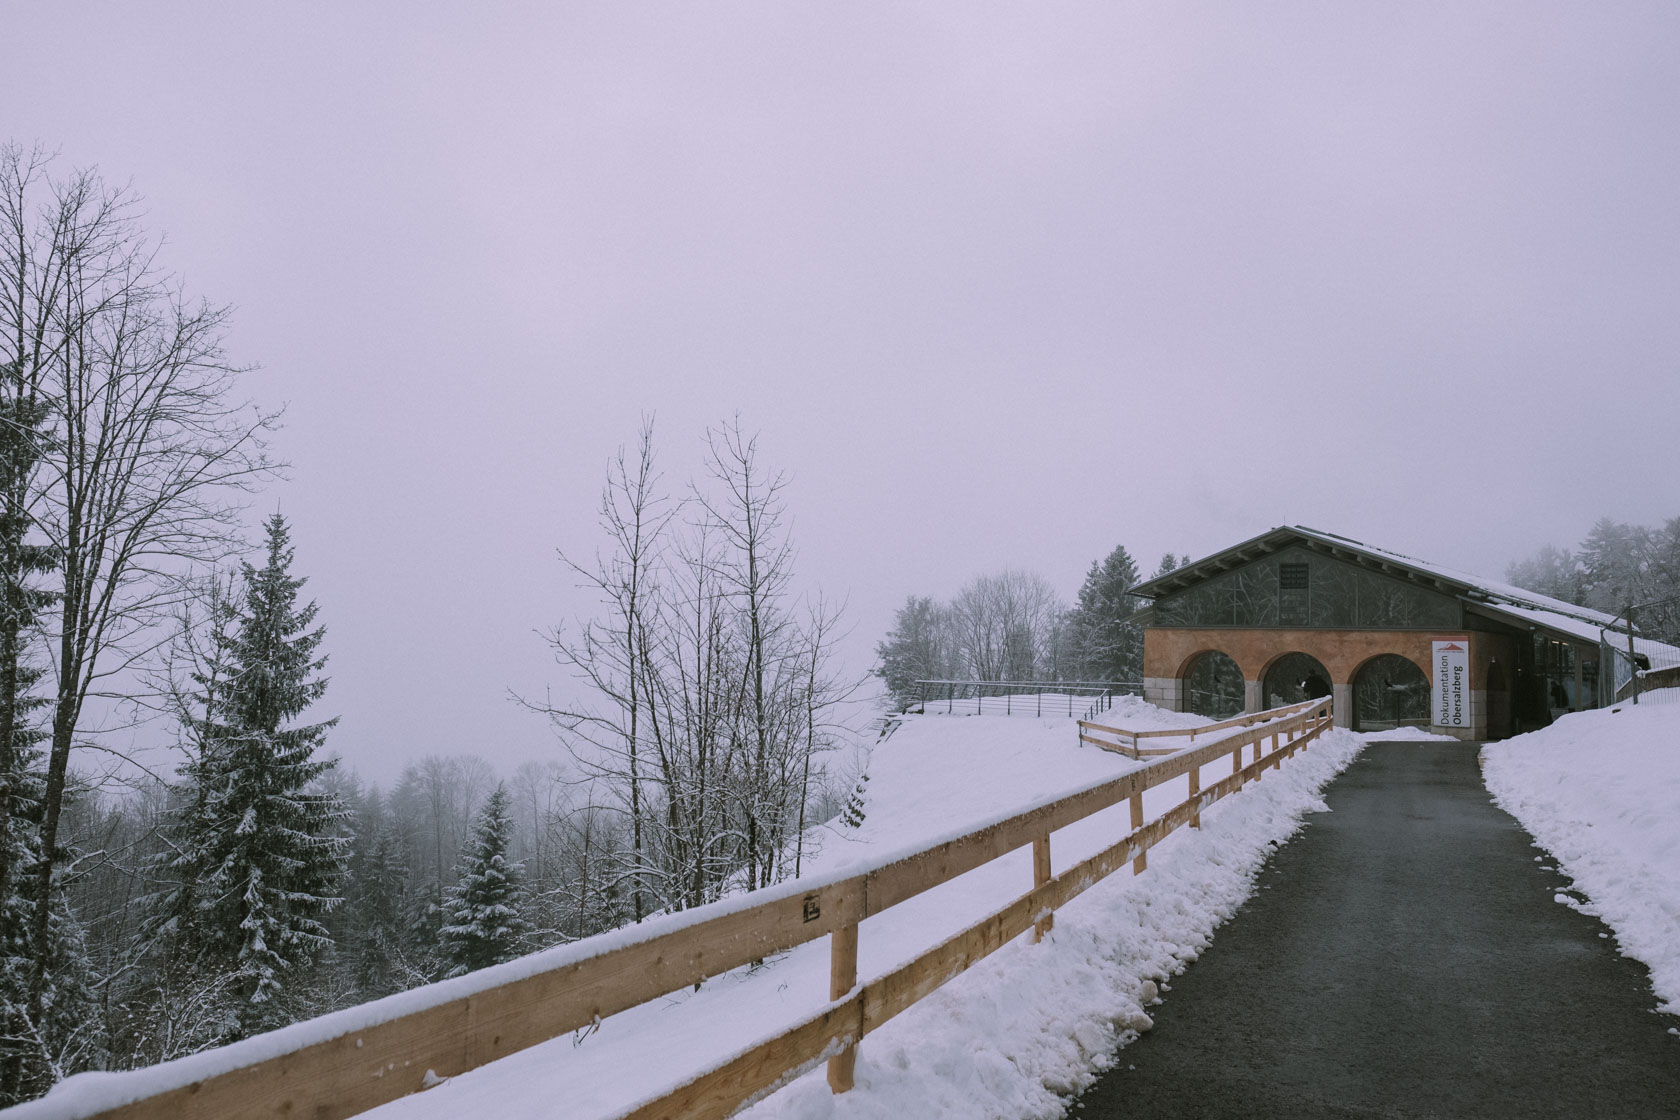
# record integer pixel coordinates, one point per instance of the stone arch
(1212, 684)
(1390, 690)
(1293, 677)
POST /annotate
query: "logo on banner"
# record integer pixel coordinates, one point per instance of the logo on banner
(1449, 692)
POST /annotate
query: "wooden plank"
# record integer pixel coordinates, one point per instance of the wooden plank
(1249, 719)
(842, 978)
(719, 1092)
(1142, 861)
(363, 1069)
(1246, 720)
(1041, 876)
(901, 988)
(1117, 748)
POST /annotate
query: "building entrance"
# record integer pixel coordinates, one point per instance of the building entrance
(1390, 691)
(1293, 679)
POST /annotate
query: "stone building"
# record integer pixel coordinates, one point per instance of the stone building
(1297, 613)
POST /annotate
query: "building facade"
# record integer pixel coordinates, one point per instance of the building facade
(1297, 613)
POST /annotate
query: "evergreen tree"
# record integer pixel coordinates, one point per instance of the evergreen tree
(259, 854)
(916, 649)
(1615, 563)
(1551, 571)
(1170, 563)
(35, 1033)
(1107, 647)
(173, 922)
(482, 923)
(378, 902)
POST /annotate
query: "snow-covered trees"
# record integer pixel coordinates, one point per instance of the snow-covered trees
(1008, 627)
(258, 860)
(1614, 565)
(1105, 646)
(1011, 625)
(31, 1032)
(917, 648)
(375, 937)
(142, 440)
(1551, 571)
(482, 923)
(706, 688)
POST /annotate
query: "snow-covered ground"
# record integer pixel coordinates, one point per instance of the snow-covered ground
(1406, 735)
(1600, 791)
(1008, 1038)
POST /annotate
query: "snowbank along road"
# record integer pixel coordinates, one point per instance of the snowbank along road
(1406, 955)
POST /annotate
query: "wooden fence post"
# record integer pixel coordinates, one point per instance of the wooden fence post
(1142, 861)
(842, 978)
(1195, 788)
(1041, 876)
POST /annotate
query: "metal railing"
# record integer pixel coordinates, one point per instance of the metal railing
(1639, 653)
(1020, 698)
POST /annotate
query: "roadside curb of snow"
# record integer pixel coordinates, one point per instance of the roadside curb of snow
(1609, 826)
(1025, 1029)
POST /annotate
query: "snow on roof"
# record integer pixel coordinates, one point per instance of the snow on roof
(1508, 593)
(1518, 603)
(1660, 653)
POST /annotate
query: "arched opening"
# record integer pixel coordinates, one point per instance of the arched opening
(1390, 691)
(1293, 678)
(1213, 686)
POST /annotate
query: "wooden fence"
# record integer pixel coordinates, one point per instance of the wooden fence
(360, 1069)
(1126, 742)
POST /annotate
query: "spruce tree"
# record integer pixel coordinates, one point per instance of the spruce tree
(482, 925)
(36, 1026)
(259, 836)
(378, 901)
(1107, 646)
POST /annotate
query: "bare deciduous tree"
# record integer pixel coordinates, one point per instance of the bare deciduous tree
(147, 444)
(1007, 626)
(704, 695)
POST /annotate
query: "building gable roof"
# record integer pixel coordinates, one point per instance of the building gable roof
(1513, 605)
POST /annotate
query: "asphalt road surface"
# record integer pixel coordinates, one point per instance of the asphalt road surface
(1403, 956)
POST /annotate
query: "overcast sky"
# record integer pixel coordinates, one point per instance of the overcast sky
(1000, 285)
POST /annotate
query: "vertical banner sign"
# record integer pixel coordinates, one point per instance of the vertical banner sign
(1449, 690)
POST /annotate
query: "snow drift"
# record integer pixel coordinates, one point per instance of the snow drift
(1600, 791)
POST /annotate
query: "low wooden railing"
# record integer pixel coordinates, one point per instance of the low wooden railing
(1125, 741)
(385, 1060)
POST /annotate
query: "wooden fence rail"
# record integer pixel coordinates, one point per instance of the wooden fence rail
(363, 1068)
(1125, 741)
